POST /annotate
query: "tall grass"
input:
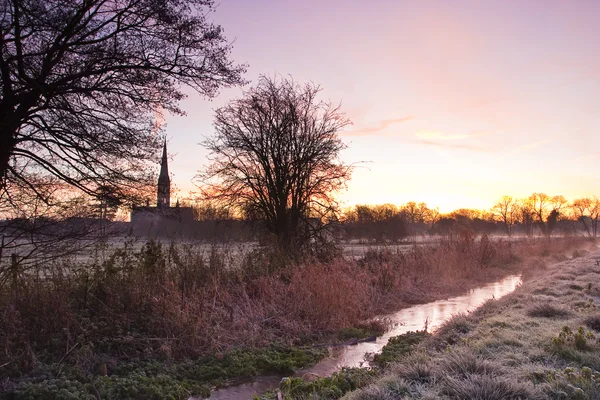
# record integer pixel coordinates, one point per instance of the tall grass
(173, 301)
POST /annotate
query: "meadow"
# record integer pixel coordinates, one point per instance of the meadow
(166, 320)
(540, 342)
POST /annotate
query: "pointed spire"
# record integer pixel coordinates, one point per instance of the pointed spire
(164, 165)
(163, 198)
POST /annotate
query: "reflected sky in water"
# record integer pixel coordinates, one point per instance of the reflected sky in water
(414, 318)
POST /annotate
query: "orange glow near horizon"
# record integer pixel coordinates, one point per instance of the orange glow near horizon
(493, 99)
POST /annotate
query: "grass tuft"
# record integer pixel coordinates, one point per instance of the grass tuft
(485, 387)
(548, 310)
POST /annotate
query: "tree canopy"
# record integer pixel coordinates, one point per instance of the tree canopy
(275, 156)
(81, 82)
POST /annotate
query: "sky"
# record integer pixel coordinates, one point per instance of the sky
(453, 103)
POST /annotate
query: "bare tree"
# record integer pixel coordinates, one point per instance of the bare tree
(539, 203)
(507, 211)
(526, 215)
(581, 212)
(595, 214)
(275, 155)
(82, 80)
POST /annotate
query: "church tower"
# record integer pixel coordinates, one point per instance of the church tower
(163, 199)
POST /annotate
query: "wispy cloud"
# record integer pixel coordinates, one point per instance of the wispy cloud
(529, 146)
(449, 141)
(455, 146)
(379, 127)
(442, 136)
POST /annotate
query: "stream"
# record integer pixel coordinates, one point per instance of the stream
(408, 319)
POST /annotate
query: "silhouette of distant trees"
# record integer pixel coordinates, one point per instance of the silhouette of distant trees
(81, 82)
(587, 212)
(379, 223)
(275, 157)
(538, 214)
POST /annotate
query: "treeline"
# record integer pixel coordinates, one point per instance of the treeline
(536, 215)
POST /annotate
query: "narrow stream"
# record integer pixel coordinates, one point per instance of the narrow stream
(408, 319)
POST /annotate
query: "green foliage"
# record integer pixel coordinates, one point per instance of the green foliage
(156, 380)
(332, 387)
(580, 339)
(361, 332)
(399, 346)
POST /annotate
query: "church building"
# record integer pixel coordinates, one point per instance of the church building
(162, 220)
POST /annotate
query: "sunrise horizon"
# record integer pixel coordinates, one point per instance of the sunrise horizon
(486, 101)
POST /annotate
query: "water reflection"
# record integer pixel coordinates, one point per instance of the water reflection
(408, 319)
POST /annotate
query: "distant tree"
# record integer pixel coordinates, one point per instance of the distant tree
(412, 212)
(82, 80)
(557, 203)
(445, 225)
(506, 211)
(542, 206)
(466, 214)
(551, 221)
(595, 215)
(275, 154)
(539, 203)
(431, 215)
(205, 210)
(581, 209)
(526, 216)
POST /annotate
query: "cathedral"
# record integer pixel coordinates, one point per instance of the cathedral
(162, 219)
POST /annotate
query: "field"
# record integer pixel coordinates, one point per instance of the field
(165, 319)
(541, 342)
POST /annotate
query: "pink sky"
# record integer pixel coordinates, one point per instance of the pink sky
(452, 103)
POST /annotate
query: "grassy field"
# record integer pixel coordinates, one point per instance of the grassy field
(541, 342)
(151, 323)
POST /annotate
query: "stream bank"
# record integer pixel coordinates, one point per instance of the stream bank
(540, 342)
(424, 316)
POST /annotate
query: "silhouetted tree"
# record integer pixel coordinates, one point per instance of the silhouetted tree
(381, 223)
(551, 221)
(82, 80)
(581, 208)
(506, 211)
(275, 154)
(526, 216)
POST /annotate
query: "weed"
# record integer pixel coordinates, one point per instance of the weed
(398, 347)
(333, 387)
(579, 339)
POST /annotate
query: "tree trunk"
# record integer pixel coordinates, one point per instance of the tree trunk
(8, 130)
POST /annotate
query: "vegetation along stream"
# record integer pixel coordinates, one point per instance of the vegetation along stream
(429, 316)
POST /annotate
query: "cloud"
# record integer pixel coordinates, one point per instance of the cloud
(380, 126)
(528, 146)
(448, 141)
(454, 146)
(436, 135)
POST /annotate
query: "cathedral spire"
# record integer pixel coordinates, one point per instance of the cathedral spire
(164, 183)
